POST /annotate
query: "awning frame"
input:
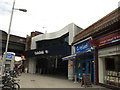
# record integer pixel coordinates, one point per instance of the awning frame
(71, 57)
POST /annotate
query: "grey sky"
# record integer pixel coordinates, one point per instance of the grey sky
(52, 14)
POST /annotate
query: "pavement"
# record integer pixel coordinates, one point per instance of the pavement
(28, 80)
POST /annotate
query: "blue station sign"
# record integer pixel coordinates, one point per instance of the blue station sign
(82, 47)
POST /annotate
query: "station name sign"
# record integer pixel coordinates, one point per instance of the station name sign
(82, 47)
(42, 52)
(49, 51)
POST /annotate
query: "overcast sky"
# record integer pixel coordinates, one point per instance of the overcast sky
(52, 14)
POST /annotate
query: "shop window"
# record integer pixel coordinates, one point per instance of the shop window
(83, 67)
(110, 65)
(112, 73)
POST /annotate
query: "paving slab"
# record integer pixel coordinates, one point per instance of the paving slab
(28, 80)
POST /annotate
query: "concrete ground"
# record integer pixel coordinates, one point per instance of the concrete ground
(49, 81)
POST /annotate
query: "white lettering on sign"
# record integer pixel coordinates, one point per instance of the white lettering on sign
(82, 47)
(46, 51)
(41, 52)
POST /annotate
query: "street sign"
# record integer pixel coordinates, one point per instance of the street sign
(9, 55)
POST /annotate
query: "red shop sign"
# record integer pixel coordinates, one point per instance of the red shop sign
(109, 39)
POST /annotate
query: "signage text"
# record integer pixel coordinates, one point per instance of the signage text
(41, 52)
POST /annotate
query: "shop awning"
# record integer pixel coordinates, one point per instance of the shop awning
(85, 55)
(86, 52)
(71, 57)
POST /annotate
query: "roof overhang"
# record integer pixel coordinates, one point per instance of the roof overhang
(71, 57)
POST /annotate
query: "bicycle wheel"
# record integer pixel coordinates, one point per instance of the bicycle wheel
(16, 86)
(6, 88)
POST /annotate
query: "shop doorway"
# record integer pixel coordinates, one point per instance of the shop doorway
(85, 67)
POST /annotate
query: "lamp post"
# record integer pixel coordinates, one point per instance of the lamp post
(4, 58)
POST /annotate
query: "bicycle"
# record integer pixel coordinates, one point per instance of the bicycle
(9, 83)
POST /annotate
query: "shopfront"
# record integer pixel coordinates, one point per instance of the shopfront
(109, 65)
(109, 59)
(85, 62)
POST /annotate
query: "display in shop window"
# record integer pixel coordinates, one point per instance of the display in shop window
(112, 78)
(114, 73)
(117, 80)
(111, 72)
(119, 74)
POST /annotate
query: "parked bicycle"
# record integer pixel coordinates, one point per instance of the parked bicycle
(9, 82)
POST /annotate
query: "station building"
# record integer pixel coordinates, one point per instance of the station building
(47, 50)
